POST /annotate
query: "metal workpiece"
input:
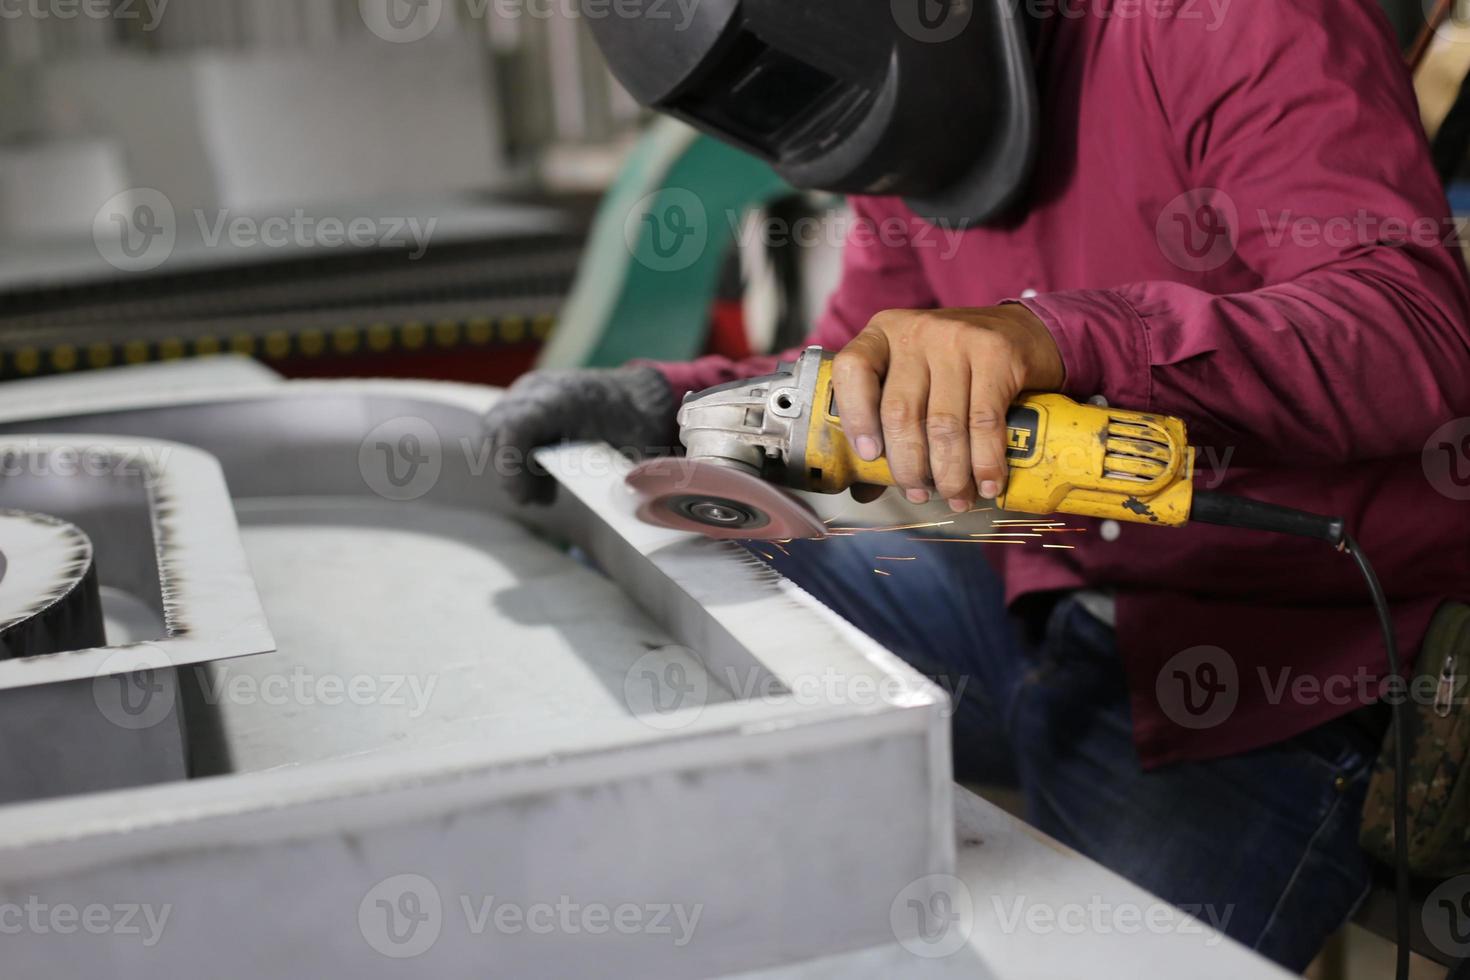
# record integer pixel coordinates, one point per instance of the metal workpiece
(50, 603)
(155, 581)
(675, 730)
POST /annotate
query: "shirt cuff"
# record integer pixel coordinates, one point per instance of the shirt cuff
(1103, 344)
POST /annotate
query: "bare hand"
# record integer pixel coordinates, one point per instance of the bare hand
(930, 389)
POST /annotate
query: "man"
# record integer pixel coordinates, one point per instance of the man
(1233, 219)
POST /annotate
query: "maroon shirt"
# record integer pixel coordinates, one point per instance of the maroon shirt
(1235, 221)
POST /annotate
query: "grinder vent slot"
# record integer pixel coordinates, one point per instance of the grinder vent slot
(1136, 452)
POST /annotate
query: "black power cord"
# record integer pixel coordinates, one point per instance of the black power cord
(1240, 512)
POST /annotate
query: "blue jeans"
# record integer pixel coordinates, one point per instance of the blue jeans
(1261, 845)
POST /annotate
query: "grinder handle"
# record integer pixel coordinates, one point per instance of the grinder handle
(832, 464)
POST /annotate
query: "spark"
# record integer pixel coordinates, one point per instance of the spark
(896, 527)
(879, 571)
(766, 555)
(1063, 547)
(777, 546)
(1005, 534)
(893, 558)
(964, 541)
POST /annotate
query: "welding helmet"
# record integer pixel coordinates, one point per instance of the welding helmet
(933, 101)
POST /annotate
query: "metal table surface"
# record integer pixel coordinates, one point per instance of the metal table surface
(1043, 912)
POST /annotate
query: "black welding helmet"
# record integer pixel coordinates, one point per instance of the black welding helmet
(933, 101)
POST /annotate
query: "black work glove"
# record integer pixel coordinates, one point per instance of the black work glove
(632, 408)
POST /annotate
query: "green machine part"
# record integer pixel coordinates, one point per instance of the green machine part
(653, 260)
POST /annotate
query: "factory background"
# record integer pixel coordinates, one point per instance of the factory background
(472, 142)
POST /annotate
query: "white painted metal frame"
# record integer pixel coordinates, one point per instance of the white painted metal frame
(791, 820)
(209, 603)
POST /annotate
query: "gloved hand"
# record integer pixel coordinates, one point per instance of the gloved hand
(632, 408)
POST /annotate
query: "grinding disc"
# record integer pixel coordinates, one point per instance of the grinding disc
(49, 601)
(719, 501)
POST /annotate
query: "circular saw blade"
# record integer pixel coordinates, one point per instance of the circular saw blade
(719, 501)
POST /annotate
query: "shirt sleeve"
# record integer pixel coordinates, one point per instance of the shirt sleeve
(1298, 128)
(879, 272)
